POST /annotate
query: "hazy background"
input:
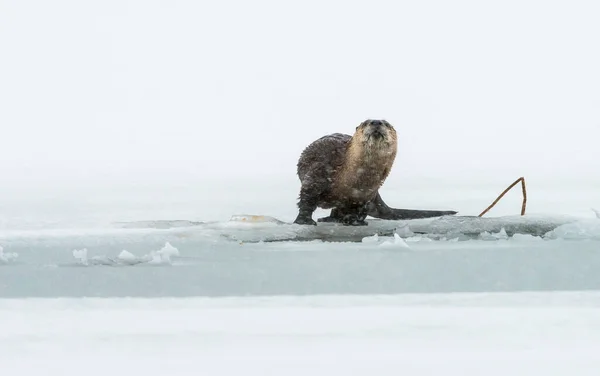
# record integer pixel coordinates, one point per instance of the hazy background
(196, 95)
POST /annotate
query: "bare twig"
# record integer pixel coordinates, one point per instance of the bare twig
(523, 206)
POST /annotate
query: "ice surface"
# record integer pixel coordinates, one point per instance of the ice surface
(466, 334)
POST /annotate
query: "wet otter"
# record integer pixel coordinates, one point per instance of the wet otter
(345, 172)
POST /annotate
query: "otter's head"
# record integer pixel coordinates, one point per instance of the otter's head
(376, 132)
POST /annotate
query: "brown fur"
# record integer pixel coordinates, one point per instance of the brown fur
(365, 167)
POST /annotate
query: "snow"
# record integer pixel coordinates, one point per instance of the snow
(495, 334)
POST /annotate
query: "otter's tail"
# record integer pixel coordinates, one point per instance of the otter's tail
(378, 209)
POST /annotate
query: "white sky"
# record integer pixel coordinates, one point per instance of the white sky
(125, 90)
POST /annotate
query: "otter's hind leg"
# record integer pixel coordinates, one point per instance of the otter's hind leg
(314, 186)
(378, 209)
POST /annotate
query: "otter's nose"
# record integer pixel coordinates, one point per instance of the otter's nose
(376, 123)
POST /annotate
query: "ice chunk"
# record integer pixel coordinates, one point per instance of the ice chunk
(158, 259)
(163, 255)
(371, 239)
(169, 250)
(7, 257)
(127, 256)
(81, 256)
(398, 242)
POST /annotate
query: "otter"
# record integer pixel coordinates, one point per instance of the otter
(344, 173)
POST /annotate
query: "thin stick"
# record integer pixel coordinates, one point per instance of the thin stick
(523, 206)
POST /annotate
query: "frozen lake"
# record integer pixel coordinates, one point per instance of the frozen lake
(47, 240)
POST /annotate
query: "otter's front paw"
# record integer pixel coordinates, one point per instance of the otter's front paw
(305, 221)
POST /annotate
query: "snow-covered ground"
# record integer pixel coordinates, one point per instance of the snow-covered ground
(458, 334)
